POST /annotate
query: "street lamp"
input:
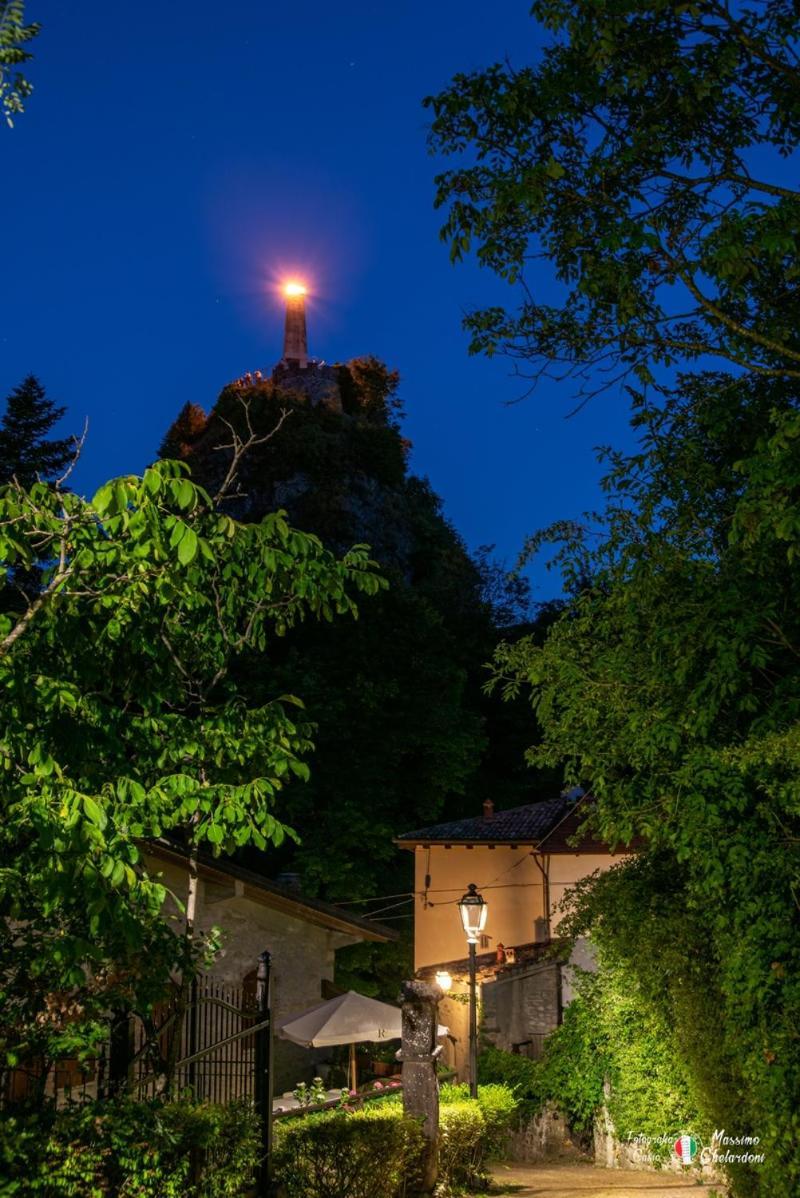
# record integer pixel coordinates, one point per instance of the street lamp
(473, 910)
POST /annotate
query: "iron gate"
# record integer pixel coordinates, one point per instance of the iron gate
(223, 1054)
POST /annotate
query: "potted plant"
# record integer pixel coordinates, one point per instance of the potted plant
(384, 1062)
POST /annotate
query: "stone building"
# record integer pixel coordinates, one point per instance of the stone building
(523, 861)
(302, 935)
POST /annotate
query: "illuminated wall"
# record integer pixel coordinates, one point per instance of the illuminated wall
(510, 881)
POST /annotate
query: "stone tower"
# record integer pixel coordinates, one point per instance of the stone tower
(295, 338)
(296, 371)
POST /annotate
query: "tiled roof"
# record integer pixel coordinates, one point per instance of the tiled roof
(518, 825)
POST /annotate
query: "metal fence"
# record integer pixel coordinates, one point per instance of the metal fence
(222, 1054)
(218, 1044)
(219, 1031)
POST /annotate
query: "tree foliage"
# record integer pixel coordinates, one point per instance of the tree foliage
(121, 722)
(670, 687)
(403, 727)
(617, 1046)
(15, 34)
(26, 451)
(644, 158)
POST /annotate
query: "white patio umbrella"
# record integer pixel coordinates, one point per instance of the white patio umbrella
(350, 1019)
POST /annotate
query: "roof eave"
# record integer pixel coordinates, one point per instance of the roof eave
(260, 890)
(425, 841)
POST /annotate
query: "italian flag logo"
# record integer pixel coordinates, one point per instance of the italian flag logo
(685, 1149)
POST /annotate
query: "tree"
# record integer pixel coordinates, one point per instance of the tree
(14, 36)
(670, 688)
(25, 451)
(121, 722)
(402, 721)
(644, 158)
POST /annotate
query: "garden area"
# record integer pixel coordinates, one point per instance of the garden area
(186, 1150)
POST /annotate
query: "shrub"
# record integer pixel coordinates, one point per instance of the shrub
(129, 1149)
(370, 1153)
(611, 1033)
(519, 1074)
(375, 1152)
(499, 1107)
(462, 1146)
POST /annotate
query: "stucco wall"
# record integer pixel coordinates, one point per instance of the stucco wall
(509, 880)
(302, 956)
(568, 868)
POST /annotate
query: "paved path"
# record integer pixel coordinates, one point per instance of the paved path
(588, 1181)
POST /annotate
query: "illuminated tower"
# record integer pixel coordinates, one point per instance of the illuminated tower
(296, 371)
(295, 338)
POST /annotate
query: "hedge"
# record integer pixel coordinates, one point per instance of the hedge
(375, 1152)
(183, 1149)
(499, 1107)
(129, 1149)
(369, 1153)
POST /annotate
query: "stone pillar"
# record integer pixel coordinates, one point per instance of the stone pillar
(419, 1054)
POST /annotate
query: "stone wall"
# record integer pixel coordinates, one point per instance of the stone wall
(522, 1005)
(318, 382)
(302, 957)
(613, 1153)
(545, 1137)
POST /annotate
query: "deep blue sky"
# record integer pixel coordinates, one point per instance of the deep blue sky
(177, 160)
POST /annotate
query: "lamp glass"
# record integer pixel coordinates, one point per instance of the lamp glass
(474, 911)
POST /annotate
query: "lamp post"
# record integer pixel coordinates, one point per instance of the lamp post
(473, 910)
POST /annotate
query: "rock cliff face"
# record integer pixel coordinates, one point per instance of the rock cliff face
(337, 463)
(397, 695)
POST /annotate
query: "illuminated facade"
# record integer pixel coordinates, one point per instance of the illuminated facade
(523, 861)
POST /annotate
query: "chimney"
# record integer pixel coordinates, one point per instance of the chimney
(488, 808)
(295, 340)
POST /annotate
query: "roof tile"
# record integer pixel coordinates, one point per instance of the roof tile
(526, 825)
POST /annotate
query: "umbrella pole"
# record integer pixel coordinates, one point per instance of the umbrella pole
(353, 1076)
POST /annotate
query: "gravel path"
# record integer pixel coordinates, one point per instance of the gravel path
(588, 1181)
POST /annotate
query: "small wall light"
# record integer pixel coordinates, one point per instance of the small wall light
(444, 980)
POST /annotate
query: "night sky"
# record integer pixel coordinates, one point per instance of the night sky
(177, 161)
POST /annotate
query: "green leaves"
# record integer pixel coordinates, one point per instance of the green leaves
(631, 177)
(187, 546)
(14, 36)
(670, 687)
(121, 723)
(95, 813)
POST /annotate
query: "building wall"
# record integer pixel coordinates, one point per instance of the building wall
(522, 1006)
(302, 956)
(568, 868)
(510, 881)
(507, 878)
